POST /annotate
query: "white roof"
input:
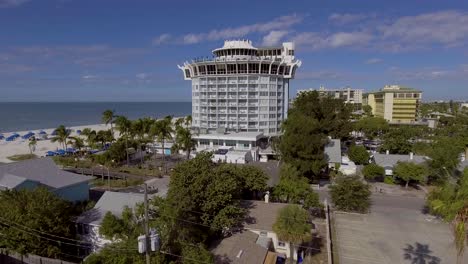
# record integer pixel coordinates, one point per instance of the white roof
(113, 202)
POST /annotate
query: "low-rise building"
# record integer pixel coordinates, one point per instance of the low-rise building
(389, 161)
(232, 147)
(394, 103)
(89, 222)
(333, 153)
(30, 174)
(348, 95)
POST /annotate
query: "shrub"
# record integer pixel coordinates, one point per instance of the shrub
(373, 171)
(389, 180)
(350, 194)
(359, 155)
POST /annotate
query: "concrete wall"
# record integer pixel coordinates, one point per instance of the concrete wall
(74, 193)
(388, 106)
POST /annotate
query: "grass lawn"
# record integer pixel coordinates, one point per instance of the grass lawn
(117, 183)
(20, 157)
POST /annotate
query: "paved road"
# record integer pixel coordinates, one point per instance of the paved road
(395, 231)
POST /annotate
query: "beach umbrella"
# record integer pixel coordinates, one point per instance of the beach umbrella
(42, 132)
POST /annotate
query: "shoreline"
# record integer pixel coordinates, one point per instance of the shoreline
(20, 146)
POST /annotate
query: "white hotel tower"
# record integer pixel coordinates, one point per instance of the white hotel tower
(242, 88)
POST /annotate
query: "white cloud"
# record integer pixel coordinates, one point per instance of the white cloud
(279, 23)
(373, 61)
(316, 41)
(162, 39)
(141, 76)
(342, 19)
(12, 3)
(274, 37)
(319, 75)
(448, 28)
(89, 77)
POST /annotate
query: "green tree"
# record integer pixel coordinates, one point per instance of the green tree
(372, 126)
(108, 117)
(23, 212)
(195, 254)
(310, 120)
(32, 145)
(62, 135)
(111, 226)
(124, 126)
(294, 188)
(162, 130)
(293, 225)
(444, 155)
(450, 201)
(359, 154)
(184, 141)
(367, 110)
(349, 193)
(372, 171)
(397, 141)
(410, 171)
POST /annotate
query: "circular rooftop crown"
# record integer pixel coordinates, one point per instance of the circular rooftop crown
(237, 44)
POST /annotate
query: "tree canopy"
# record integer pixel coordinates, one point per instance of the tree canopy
(359, 155)
(349, 193)
(25, 213)
(310, 120)
(410, 171)
(293, 225)
(372, 171)
(371, 126)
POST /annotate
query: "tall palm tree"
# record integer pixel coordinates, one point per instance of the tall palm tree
(77, 143)
(90, 137)
(108, 117)
(62, 134)
(124, 125)
(32, 144)
(184, 141)
(292, 226)
(460, 230)
(161, 131)
(188, 121)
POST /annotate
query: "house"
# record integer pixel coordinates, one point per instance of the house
(242, 247)
(333, 153)
(389, 161)
(89, 222)
(33, 173)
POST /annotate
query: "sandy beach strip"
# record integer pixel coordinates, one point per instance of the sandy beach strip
(20, 146)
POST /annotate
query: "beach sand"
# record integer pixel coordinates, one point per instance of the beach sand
(20, 146)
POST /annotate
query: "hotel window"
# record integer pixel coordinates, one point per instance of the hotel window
(291, 52)
(274, 68)
(281, 244)
(281, 70)
(265, 68)
(187, 73)
(202, 69)
(204, 142)
(287, 70)
(231, 69)
(211, 69)
(242, 68)
(230, 143)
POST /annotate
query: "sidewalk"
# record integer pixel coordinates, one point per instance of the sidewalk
(397, 190)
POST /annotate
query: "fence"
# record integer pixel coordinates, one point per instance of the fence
(329, 234)
(12, 258)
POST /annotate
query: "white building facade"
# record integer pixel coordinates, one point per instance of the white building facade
(241, 89)
(348, 95)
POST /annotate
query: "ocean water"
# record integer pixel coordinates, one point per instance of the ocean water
(30, 116)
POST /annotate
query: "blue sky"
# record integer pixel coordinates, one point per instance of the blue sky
(128, 50)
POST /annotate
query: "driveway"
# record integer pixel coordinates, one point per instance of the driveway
(396, 231)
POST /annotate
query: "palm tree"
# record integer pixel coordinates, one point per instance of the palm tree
(292, 225)
(124, 126)
(460, 231)
(108, 118)
(161, 131)
(32, 145)
(91, 137)
(77, 143)
(62, 134)
(188, 121)
(184, 141)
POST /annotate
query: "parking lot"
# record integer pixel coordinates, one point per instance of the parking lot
(396, 231)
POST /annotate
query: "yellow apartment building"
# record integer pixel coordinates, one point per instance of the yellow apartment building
(394, 103)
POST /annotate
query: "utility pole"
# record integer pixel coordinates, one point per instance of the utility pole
(147, 226)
